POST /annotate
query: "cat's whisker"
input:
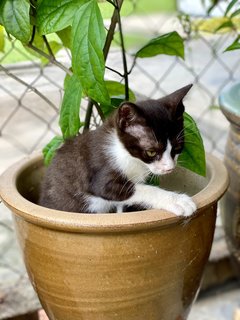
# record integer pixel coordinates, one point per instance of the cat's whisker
(190, 125)
(154, 136)
(185, 222)
(137, 179)
(188, 134)
(129, 189)
(185, 135)
(192, 143)
(183, 139)
(181, 163)
(181, 133)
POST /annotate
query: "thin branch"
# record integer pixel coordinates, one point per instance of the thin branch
(111, 29)
(124, 59)
(113, 70)
(50, 58)
(11, 75)
(48, 47)
(99, 110)
(133, 65)
(112, 3)
(33, 34)
(106, 49)
(88, 115)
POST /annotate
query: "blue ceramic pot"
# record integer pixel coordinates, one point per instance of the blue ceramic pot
(230, 106)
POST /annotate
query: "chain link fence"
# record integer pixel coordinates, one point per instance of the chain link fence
(31, 92)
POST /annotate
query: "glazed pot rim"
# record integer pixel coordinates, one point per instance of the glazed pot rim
(229, 102)
(102, 222)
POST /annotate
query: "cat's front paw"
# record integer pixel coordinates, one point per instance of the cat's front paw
(182, 205)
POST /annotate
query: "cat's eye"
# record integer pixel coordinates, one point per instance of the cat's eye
(178, 149)
(151, 153)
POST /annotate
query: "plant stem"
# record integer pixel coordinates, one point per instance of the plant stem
(111, 30)
(48, 47)
(133, 65)
(88, 115)
(99, 110)
(106, 49)
(123, 53)
(112, 3)
(33, 34)
(115, 71)
(50, 58)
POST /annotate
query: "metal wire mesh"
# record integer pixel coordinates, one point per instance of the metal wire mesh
(30, 95)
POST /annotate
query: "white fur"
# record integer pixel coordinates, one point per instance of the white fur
(165, 165)
(154, 197)
(136, 171)
(136, 130)
(122, 160)
(150, 197)
(98, 204)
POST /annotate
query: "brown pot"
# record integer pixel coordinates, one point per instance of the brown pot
(134, 266)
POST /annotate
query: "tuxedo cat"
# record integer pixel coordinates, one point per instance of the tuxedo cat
(104, 170)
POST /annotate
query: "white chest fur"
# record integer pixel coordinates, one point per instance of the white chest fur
(133, 168)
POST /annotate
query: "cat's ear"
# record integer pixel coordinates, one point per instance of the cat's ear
(127, 114)
(175, 100)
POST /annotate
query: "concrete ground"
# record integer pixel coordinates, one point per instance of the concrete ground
(223, 304)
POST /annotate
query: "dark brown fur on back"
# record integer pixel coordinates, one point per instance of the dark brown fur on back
(79, 169)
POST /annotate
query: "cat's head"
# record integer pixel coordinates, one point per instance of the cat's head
(152, 130)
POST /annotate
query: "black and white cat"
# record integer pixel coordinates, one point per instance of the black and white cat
(104, 170)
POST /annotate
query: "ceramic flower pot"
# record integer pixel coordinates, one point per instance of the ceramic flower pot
(230, 106)
(134, 266)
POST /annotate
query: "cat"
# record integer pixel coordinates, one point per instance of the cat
(104, 170)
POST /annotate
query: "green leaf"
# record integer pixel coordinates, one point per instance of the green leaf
(14, 15)
(107, 109)
(230, 6)
(69, 115)
(235, 13)
(170, 44)
(2, 42)
(88, 38)
(193, 155)
(55, 15)
(226, 24)
(65, 36)
(117, 89)
(234, 46)
(50, 149)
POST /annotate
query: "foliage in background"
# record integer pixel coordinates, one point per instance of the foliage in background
(230, 21)
(80, 26)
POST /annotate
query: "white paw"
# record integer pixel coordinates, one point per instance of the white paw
(182, 205)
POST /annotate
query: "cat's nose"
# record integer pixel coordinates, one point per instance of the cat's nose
(167, 168)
